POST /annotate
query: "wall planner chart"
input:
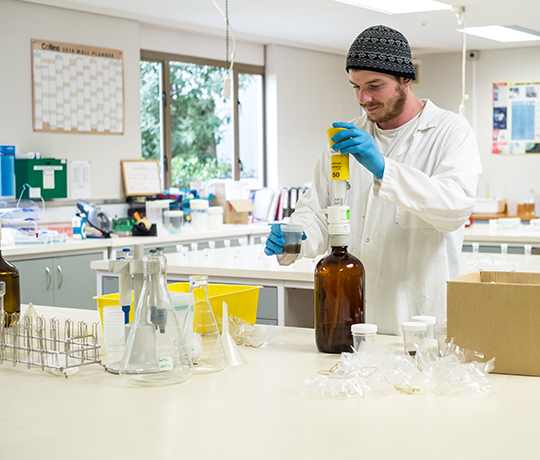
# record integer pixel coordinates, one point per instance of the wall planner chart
(77, 89)
(516, 118)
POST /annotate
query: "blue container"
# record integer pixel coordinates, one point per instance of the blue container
(7, 171)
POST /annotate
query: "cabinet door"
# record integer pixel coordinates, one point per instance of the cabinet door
(37, 281)
(75, 281)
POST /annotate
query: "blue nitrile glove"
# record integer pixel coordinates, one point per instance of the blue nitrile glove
(361, 146)
(275, 241)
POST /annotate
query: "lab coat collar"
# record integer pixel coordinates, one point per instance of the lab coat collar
(429, 116)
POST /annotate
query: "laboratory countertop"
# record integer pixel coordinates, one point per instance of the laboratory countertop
(484, 233)
(250, 262)
(256, 411)
(90, 244)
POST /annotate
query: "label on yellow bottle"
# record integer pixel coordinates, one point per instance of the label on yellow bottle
(340, 166)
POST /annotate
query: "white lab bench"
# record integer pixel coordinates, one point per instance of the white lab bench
(293, 285)
(59, 274)
(255, 412)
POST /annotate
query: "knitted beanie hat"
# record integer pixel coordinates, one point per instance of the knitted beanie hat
(381, 49)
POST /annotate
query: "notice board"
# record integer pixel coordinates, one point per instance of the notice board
(141, 177)
(77, 88)
(516, 118)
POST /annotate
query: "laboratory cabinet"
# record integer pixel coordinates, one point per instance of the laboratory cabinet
(63, 281)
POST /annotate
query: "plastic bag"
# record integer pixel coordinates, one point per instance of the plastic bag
(249, 335)
(380, 370)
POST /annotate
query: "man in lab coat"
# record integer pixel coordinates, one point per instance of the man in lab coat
(413, 186)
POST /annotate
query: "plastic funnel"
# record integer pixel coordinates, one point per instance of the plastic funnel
(229, 345)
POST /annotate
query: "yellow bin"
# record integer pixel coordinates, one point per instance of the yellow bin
(242, 301)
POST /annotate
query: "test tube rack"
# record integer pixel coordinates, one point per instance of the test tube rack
(28, 341)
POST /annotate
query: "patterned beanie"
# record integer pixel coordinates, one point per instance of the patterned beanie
(381, 49)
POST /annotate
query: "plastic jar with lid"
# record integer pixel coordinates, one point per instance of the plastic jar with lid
(173, 220)
(414, 336)
(442, 342)
(215, 218)
(429, 321)
(363, 332)
(199, 215)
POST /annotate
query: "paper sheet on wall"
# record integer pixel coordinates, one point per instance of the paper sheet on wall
(516, 118)
(79, 179)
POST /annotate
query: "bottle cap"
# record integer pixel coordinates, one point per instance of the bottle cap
(215, 210)
(413, 326)
(429, 320)
(198, 204)
(362, 328)
(441, 328)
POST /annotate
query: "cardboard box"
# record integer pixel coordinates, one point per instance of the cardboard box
(497, 314)
(234, 211)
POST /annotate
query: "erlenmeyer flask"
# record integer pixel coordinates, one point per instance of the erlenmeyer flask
(212, 357)
(156, 352)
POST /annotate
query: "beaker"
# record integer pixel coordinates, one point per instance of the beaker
(212, 357)
(156, 351)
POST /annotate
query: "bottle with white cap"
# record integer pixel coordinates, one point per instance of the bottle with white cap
(429, 321)
(413, 336)
(363, 332)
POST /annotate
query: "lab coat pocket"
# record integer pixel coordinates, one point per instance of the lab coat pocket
(409, 221)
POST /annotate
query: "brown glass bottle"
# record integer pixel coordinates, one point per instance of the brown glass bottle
(339, 300)
(12, 299)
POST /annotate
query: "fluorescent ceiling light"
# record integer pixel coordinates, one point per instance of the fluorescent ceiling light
(501, 34)
(398, 6)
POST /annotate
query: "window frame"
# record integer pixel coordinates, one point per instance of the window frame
(164, 59)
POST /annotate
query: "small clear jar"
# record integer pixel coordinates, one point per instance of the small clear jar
(414, 336)
(442, 342)
(215, 218)
(429, 321)
(363, 332)
(199, 215)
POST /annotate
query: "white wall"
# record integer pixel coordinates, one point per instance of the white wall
(188, 44)
(19, 23)
(509, 176)
(306, 92)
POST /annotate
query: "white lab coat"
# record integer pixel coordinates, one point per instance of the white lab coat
(408, 228)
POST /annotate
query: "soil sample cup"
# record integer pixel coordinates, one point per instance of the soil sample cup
(292, 234)
(413, 336)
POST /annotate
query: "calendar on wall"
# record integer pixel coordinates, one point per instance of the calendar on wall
(77, 88)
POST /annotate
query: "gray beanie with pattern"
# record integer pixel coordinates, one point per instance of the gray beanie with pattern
(381, 49)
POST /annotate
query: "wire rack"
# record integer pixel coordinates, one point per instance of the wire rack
(36, 342)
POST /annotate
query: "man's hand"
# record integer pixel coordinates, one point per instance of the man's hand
(361, 146)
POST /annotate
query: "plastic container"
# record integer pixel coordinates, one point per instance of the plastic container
(242, 300)
(7, 171)
(429, 321)
(442, 343)
(292, 234)
(155, 211)
(113, 333)
(199, 215)
(173, 221)
(414, 336)
(215, 218)
(363, 332)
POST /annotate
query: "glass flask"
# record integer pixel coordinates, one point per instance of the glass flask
(212, 357)
(339, 300)
(156, 351)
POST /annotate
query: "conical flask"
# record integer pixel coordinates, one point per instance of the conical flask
(212, 357)
(156, 352)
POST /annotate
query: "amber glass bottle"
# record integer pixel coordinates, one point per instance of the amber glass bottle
(12, 299)
(339, 300)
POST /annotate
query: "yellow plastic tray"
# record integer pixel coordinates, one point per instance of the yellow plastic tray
(242, 301)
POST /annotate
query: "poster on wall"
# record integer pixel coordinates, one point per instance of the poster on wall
(77, 88)
(516, 118)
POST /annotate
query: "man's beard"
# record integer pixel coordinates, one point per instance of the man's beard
(392, 108)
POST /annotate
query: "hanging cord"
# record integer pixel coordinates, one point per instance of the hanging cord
(460, 15)
(227, 86)
(27, 186)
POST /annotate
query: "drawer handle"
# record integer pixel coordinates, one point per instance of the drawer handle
(49, 276)
(59, 268)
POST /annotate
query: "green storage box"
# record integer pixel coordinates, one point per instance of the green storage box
(47, 174)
